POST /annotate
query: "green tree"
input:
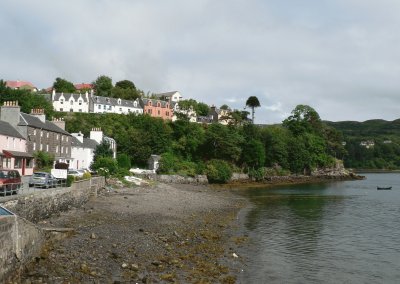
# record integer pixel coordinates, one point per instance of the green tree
(102, 150)
(125, 84)
(44, 160)
(224, 107)
(252, 102)
(124, 161)
(253, 154)
(218, 171)
(103, 86)
(63, 86)
(303, 119)
(202, 109)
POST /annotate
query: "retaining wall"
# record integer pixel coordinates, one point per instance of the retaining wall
(21, 240)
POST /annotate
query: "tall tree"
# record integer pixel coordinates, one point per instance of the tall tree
(63, 86)
(252, 102)
(125, 84)
(103, 86)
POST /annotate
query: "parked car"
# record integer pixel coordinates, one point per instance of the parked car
(10, 181)
(75, 173)
(43, 179)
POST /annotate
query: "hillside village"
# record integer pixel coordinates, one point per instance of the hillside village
(23, 134)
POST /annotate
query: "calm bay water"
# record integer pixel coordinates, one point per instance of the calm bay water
(342, 232)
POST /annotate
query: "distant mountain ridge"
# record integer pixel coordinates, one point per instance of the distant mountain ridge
(368, 128)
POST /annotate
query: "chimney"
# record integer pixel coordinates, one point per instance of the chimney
(78, 136)
(96, 134)
(10, 112)
(39, 113)
(59, 122)
(53, 95)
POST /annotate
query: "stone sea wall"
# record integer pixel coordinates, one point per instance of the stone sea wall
(20, 238)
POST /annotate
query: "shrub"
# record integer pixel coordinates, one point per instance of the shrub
(86, 176)
(70, 180)
(124, 161)
(257, 174)
(218, 171)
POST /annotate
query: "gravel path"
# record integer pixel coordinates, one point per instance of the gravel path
(154, 234)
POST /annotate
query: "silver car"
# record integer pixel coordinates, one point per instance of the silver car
(43, 179)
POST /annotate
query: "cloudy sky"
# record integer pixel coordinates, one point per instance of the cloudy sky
(342, 57)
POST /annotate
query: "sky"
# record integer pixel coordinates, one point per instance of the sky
(341, 57)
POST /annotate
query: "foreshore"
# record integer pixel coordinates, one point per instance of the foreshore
(154, 234)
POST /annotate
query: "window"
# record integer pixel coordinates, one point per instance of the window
(57, 137)
(29, 163)
(99, 107)
(18, 163)
(47, 134)
(66, 150)
(34, 146)
(71, 102)
(120, 109)
(57, 149)
(158, 112)
(61, 109)
(47, 148)
(7, 163)
(41, 133)
(34, 132)
(71, 110)
(109, 107)
(62, 101)
(80, 110)
(66, 138)
(104, 107)
(80, 102)
(41, 146)
(62, 149)
(62, 137)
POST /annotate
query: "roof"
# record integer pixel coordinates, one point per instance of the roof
(8, 153)
(115, 101)
(167, 94)
(89, 143)
(67, 96)
(19, 84)
(75, 142)
(154, 102)
(83, 86)
(7, 130)
(33, 121)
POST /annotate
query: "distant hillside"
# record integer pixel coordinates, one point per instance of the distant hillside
(385, 136)
(369, 128)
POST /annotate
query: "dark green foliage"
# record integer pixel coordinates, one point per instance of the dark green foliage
(105, 166)
(63, 86)
(70, 180)
(171, 164)
(102, 150)
(385, 154)
(27, 100)
(253, 154)
(124, 162)
(125, 84)
(218, 171)
(44, 160)
(303, 119)
(252, 102)
(103, 86)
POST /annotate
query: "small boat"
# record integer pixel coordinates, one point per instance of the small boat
(384, 188)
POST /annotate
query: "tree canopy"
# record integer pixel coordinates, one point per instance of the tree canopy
(63, 86)
(252, 102)
(103, 86)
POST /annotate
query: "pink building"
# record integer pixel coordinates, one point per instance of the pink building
(158, 108)
(13, 153)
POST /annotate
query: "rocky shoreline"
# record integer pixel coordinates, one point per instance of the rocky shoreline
(156, 234)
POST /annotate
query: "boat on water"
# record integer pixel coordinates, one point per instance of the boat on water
(384, 188)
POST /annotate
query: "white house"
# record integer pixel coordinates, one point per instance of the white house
(70, 102)
(97, 135)
(174, 96)
(82, 152)
(189, 113)
(114, 105)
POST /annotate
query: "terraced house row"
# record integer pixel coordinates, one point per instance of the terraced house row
(22, 135)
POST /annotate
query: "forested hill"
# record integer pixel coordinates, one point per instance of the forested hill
(369, 128)
(372, 144)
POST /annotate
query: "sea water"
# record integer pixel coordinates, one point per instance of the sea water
(340, 232)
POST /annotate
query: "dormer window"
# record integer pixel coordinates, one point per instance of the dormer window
(62, 101)
(149, 103)
(135, 104)
(119, 101)
(158, 104)
(71, 102)
(80, 102)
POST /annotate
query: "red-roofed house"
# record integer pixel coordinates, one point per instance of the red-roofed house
(83, 86)
(21, 85)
